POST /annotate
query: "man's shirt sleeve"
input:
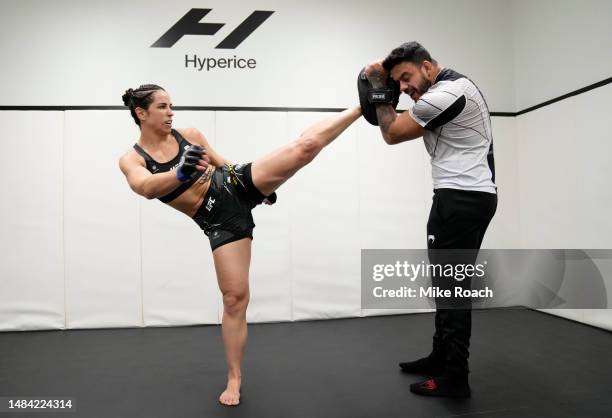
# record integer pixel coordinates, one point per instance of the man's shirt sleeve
(437, 108)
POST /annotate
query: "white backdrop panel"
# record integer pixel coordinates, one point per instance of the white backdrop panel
(102, 233)
(394, 187)
(179, 281)
(563, 169)
(31, 266)
(590, 191)
(591, 167)
(325, 227)
(394, 191)
(243, 137)
(546, 138)
(503, 231)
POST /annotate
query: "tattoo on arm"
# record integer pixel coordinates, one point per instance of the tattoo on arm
(377, 79)
(386, 116)
(206, 175)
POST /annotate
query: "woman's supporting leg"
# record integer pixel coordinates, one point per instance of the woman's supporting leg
(271, 171)
(232, 266)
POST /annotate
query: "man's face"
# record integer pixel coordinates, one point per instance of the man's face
(411, 78)
(159, 114)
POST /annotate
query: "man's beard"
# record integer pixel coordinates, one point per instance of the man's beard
(424, 86)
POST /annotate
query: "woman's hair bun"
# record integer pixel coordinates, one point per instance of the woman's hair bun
(127, 97)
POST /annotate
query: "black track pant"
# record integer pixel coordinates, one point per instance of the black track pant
(458, 220)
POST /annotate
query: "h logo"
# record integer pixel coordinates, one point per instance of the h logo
(190, 25)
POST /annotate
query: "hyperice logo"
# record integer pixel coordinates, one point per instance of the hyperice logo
(190, 25)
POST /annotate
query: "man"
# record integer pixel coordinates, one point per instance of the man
(451, 115)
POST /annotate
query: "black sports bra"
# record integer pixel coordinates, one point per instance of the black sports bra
(155, 167)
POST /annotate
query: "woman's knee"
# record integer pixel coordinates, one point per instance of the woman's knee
(307, 148)
(235, 302)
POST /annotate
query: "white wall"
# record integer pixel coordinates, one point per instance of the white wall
(79, 249)
(564, 148)
(559, 46)
(118, 260)
(564, 172)
(69, 52)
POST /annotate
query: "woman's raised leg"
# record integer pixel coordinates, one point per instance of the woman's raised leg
(269, 172)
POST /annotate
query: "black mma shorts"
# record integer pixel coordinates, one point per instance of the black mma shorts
(225, 213)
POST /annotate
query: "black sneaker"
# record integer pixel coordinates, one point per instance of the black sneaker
(442, 386)
(426, 365)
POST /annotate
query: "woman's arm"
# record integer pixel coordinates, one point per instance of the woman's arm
(156, 185)
(143, 182)
(194, 136)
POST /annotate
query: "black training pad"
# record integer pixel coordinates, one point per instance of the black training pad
(524, 364)
(368, 110)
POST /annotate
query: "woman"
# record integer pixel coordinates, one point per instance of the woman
(180, 168)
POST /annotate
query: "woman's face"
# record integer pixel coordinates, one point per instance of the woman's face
(158, 116)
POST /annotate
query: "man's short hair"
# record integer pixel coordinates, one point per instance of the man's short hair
(412, 52)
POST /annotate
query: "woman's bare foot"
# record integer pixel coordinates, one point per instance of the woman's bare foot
(231, 394)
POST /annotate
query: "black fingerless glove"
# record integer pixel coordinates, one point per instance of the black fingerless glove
(189, 161)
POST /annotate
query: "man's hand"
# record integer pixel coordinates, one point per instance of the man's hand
(376, 74)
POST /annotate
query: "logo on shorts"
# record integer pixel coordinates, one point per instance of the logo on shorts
(209, 204)
(431, 238)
